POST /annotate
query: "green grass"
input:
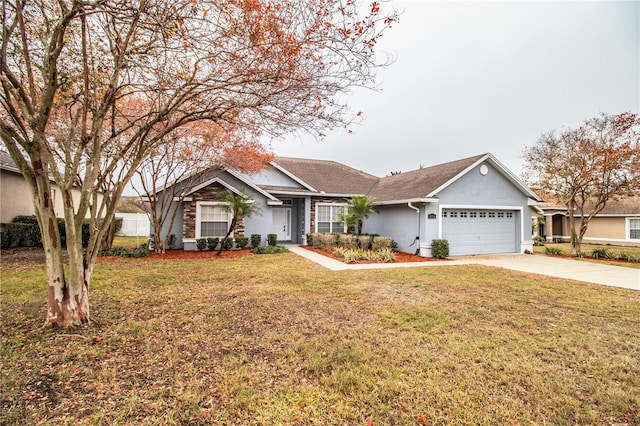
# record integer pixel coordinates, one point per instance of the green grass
(279, 340)
(588, 248)
(129, 243)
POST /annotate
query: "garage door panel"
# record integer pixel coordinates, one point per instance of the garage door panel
(479, 231)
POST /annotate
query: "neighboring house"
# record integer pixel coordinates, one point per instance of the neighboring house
(617, 223)
(15, 195)
(475, 203)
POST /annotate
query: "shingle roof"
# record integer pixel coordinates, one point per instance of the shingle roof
(622, 206)
(328, 176)
(419, 183)
(6, 160)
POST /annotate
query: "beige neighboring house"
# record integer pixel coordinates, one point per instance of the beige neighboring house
(618, 223)
(15, 196)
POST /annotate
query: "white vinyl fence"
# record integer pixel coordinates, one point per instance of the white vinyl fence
(134, 224)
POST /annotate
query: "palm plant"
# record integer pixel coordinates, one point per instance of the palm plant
(358, 209)
(240, 206)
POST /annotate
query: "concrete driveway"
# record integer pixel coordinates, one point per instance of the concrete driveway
(597, 273)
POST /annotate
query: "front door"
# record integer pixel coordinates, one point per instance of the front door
(282, 223)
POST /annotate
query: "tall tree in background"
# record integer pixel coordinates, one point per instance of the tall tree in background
(91, 88)
(587, 166)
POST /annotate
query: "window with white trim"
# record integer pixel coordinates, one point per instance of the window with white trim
(212, 220)
(328, 218)
(634, 229)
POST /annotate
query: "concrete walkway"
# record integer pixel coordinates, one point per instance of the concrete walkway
(597, 273)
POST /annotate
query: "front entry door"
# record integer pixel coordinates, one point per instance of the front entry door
(282, 224)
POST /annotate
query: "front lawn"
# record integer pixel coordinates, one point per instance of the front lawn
(275, 339)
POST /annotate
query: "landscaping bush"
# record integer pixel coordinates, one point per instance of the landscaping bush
(16, 235)
(387, 255)
(227, 243)
(601, 253)
(35, 238)
(364, 242)
(440, 249)
(325, 240)
(539, 241)
(173, 241)
(380, 243)
(270, 249)
(272, 239)
(142, 251)
(212, 243)
(241, 241)
(347, 240)
(256, 240)
(310, 237)
(629, 257)
(552, 250)
(201, 244)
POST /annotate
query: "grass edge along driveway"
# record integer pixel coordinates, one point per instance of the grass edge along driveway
(276, 339)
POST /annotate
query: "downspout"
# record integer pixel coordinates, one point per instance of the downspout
(417, 240)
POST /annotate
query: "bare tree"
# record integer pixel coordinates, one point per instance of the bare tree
(174, 169)
(91, 87)
(587, 166)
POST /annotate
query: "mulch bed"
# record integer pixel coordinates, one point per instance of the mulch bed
(190, 254)
(401, 257)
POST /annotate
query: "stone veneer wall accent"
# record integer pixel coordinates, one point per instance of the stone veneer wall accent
(212, 192)
(322, 200)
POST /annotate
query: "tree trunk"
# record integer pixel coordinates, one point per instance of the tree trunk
(67, 299)
(231, 228)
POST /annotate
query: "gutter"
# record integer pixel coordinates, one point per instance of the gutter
(417, 240)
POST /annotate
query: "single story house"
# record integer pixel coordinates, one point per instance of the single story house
(618, 223)
(476, 203)
(15, 195)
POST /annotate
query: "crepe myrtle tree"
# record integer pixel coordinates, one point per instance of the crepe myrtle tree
(588, 166)
(90, 88)
(173, 169)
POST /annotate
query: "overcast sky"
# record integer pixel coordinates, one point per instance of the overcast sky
(476, 77)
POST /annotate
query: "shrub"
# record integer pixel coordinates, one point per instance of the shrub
(201, 244)
(173, 241)
(33, 238)
(270, 249)
(629, 257)
(272, 239)
(552, 250)
(241, 241)
(142, 251)
(346, 240)
(387, 255)
(380, 243)
(310, 236)
(116, 251)
(16, 235)
(440, 249)
(325, 240)
(227, 243)
(539, 241)
(602, 253)
(212, 242)
(364, 242)
(256, 240)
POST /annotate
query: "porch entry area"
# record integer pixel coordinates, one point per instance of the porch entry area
(282, 223)
(287, 221)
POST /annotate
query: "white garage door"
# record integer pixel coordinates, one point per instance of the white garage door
(479, 231)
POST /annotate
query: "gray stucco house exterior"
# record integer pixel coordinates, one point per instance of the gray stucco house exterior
(476, 203)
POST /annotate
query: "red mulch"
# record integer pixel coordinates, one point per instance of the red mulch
(401, 257)
(190, 254)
